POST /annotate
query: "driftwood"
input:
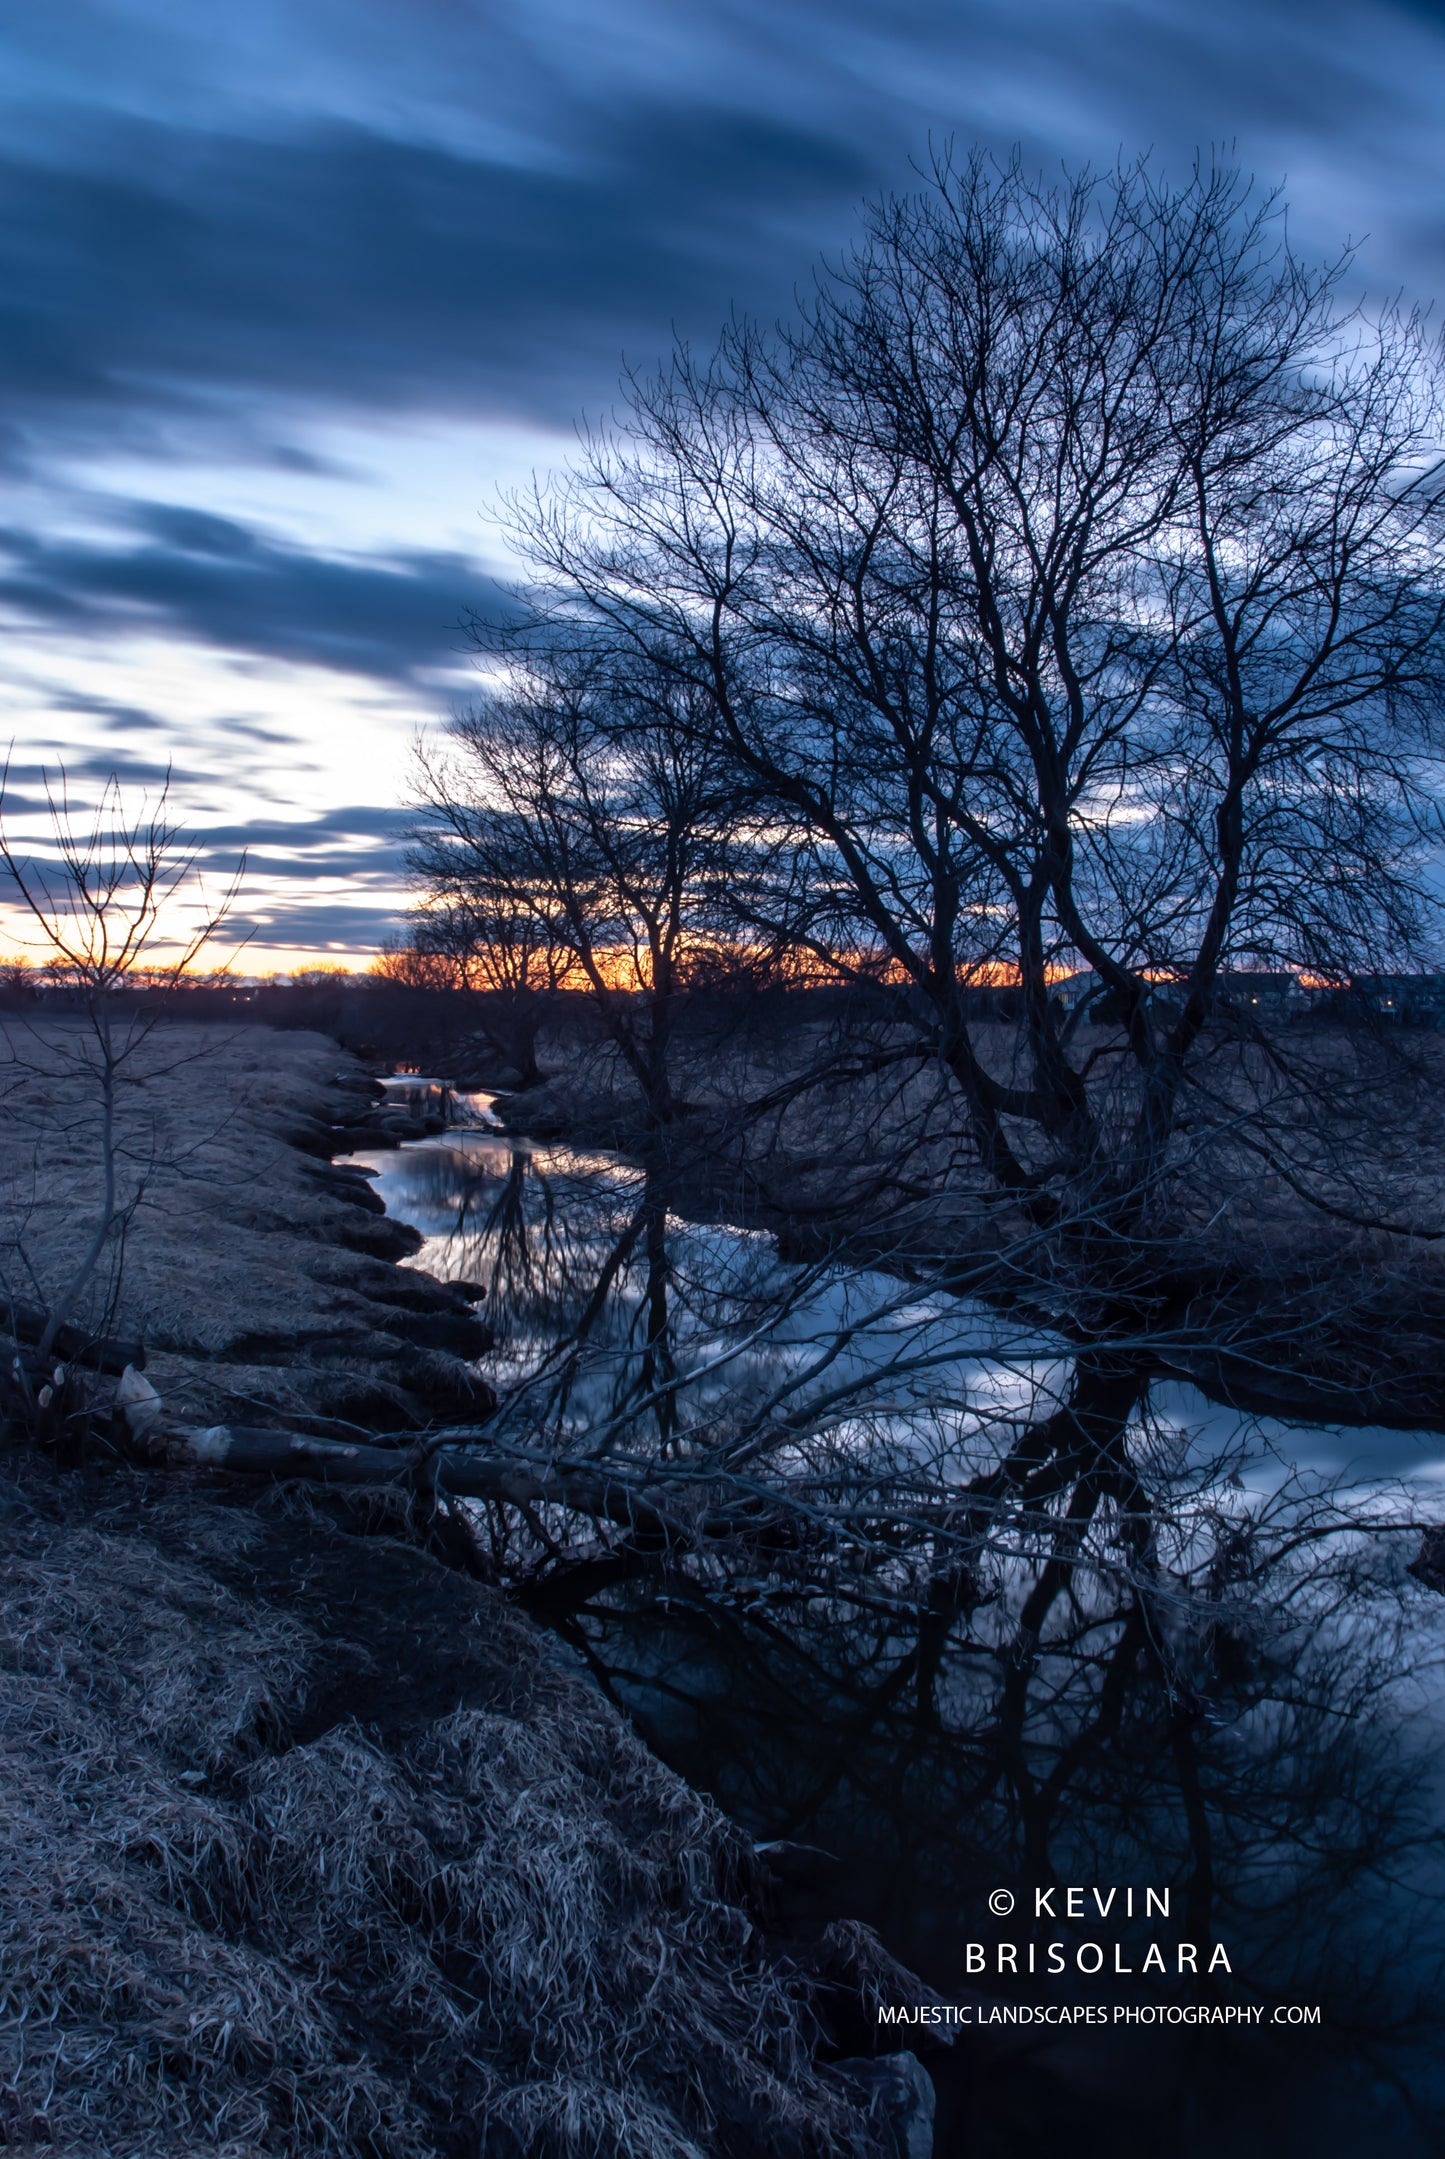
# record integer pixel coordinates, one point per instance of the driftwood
(26, 1323)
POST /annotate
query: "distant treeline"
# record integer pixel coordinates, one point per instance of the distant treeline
(463, 1034)
(469, 1034)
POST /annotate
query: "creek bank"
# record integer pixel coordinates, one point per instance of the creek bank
(315, 1847)
(1303, 1320)
(318, 1845)
(260, 1277)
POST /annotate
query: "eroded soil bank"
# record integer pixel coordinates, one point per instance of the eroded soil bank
(310, 1843)
(259, 1275)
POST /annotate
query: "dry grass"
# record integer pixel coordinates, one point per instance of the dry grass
(307, 1847)
(252, 1276)
(297, 1867)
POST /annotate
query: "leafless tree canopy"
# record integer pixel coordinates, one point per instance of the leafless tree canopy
(1052, 609)
(580, 820)
(1062, 588)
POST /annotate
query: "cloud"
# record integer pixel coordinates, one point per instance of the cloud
(46, 785)
(220, 582)
(317, 924)
(238, 238)
(364, 843)
(125, 718)
(168, 279)
(308, 882)
(452, 214)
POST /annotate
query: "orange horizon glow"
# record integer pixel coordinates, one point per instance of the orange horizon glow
(249, 963)
(620, 970)
(624, 970)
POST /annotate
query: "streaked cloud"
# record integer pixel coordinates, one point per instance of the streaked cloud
(287, 291)
(219, 582)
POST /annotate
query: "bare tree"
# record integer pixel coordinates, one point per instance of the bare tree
(120, 916)
(1064, 587)
(1059, 596)
(580, 803)
(1062, 593)
(479, 936)
(576, 815)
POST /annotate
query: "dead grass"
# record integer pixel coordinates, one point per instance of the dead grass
(306, 1850)
(247, 1268)
(308, 1846)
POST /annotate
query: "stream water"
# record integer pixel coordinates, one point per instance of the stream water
(1294, 1787)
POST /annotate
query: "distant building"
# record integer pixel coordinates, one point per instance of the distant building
(1264, 993)
(1070, 991)
(1404, 1000)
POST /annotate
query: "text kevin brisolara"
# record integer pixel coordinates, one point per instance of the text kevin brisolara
(1119, 1901)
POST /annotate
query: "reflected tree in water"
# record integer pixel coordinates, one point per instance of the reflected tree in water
(1201, 1674)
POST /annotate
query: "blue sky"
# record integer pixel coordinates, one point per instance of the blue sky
(289, 292)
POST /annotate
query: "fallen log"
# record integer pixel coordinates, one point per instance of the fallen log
(263, 1451)
(72, 1345)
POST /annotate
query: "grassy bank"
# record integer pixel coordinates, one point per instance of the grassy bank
(310, 1847)
(259, 1275)
(311, 1844)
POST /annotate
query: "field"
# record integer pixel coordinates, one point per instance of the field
(260, 1278)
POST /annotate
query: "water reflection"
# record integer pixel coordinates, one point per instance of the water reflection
(1180, 1655)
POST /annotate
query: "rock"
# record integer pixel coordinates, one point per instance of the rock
(1428, 1566)
(898, 2092)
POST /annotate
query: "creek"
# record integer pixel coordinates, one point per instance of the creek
(1290, 1758)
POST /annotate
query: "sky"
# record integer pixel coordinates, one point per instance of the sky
(291, 293)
